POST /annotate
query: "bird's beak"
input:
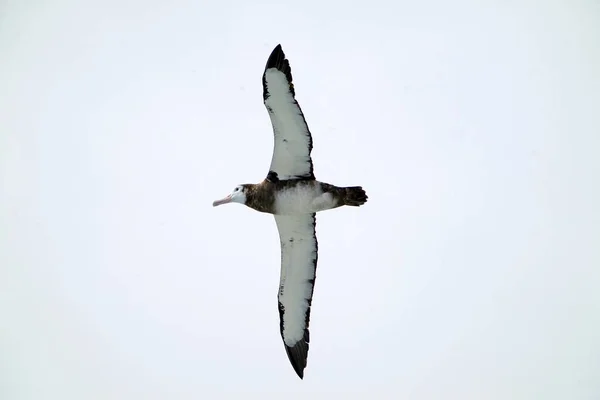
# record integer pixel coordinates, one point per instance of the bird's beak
(222, 201)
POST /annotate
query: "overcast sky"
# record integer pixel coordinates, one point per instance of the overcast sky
(471, 273)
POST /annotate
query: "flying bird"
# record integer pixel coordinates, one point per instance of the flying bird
(292, 194)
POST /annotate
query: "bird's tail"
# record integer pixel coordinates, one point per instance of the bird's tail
(354, 196)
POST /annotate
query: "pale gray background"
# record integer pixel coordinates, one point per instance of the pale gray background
(472, 273)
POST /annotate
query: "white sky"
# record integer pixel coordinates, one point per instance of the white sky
(471, 273)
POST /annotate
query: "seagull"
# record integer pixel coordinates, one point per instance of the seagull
(292, 194)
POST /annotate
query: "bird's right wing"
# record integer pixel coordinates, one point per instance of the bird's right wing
(299, 249)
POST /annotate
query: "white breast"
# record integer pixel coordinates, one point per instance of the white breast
(302, 200)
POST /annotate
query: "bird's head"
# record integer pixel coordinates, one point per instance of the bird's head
(238, 195)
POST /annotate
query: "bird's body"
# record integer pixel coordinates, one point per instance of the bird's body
(292, 194)
(299, 196)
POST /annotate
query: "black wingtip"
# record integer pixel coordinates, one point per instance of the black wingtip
(276, 59)
(298, 355)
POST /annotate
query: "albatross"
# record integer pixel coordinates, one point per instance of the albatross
(293, 195)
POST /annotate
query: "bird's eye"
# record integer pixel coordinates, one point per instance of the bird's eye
(236, 189)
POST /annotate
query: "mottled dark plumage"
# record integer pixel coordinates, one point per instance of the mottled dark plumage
(261, 196)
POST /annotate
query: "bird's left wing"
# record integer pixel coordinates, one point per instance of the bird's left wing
(298, 267)
(293, 141)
